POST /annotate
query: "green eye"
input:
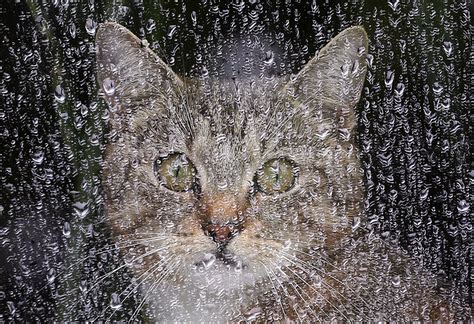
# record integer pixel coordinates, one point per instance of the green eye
(276, 176)
(176, 172)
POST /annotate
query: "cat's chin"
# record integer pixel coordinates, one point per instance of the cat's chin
(222, 270)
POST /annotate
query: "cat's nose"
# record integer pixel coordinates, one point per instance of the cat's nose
(221, 233)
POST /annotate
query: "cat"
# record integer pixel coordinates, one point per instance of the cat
(242, 200)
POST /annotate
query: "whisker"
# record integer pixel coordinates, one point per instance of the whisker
(146, 274)
(277, 296)
(152, 287)
(327, 274)
(314, 289)
(102, 278)
(281, 285)
(297, 289)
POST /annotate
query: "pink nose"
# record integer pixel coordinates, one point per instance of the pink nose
(219, 233)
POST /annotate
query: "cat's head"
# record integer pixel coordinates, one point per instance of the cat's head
(222, 179)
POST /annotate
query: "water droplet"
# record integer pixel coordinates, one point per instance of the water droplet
(72, 30)
(389, 76)
(252, 314)
(81, 209)
(109, 86)
(399, 89)
(51, 275)
(83, 286)
(150, 25)
(91, 26)
(437, 88)
(67, 229)
(115, 302)
(269, 57)
(11, 307)
(463, 206)
(448, 48)
(38, 157)
(396, 281)
(393, 4)
(209, 260)
(59, 94)
(171, 31)
(238, 267)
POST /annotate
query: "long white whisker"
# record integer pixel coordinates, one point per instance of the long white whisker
(314, 289)
(277, 296)
(153, 286)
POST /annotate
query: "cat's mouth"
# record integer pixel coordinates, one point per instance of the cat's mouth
(221, 257)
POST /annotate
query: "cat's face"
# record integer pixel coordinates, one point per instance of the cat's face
(219, 183)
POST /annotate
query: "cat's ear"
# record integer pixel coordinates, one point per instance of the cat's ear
(132, 77)
(332, 81)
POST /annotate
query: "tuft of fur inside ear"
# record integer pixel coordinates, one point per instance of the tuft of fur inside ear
(132, 77)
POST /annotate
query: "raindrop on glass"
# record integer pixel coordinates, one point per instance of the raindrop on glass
(389, 76)
(399, 89)
(437, 88)
(269, 57)
(171, 31)
(91, 26)
(109, 86)
(150, 25)
(51, 275)
(463, 206)
(38, 157)
(81, 209)
(115, 302)
(448, 48)
(59, 94)
(11, 307)
(209, 260)
(394, 4)
(67, 229)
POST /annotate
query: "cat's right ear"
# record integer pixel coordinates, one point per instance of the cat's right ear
(133, 78)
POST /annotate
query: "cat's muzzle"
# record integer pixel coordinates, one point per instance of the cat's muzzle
(221, 234)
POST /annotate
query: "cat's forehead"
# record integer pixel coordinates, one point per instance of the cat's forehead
(225, 143)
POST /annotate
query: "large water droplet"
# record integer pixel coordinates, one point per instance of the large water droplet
(109, 86)
(209, 260)
(67, 229)
(448, 48)
(59, 94)
(389, 76)
(38, 157)
(91, 26)
(463, 206)
(394, 4)
(81, 209)
(115, 302)
(269, 58)
(437, 88)
(171, 31)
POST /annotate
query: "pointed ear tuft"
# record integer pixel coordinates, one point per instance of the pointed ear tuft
(130, 74)
(337, 74)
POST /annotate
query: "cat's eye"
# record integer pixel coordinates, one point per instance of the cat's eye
(176, 172)
(276, 176)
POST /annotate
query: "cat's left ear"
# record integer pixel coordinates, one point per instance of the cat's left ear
(332, 81)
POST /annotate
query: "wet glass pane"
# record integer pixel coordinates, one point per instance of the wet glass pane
(214, 161)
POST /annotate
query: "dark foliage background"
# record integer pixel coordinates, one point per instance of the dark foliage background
(413, 135)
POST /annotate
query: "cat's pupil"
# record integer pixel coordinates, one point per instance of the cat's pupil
(276, 176)
(176, 172)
